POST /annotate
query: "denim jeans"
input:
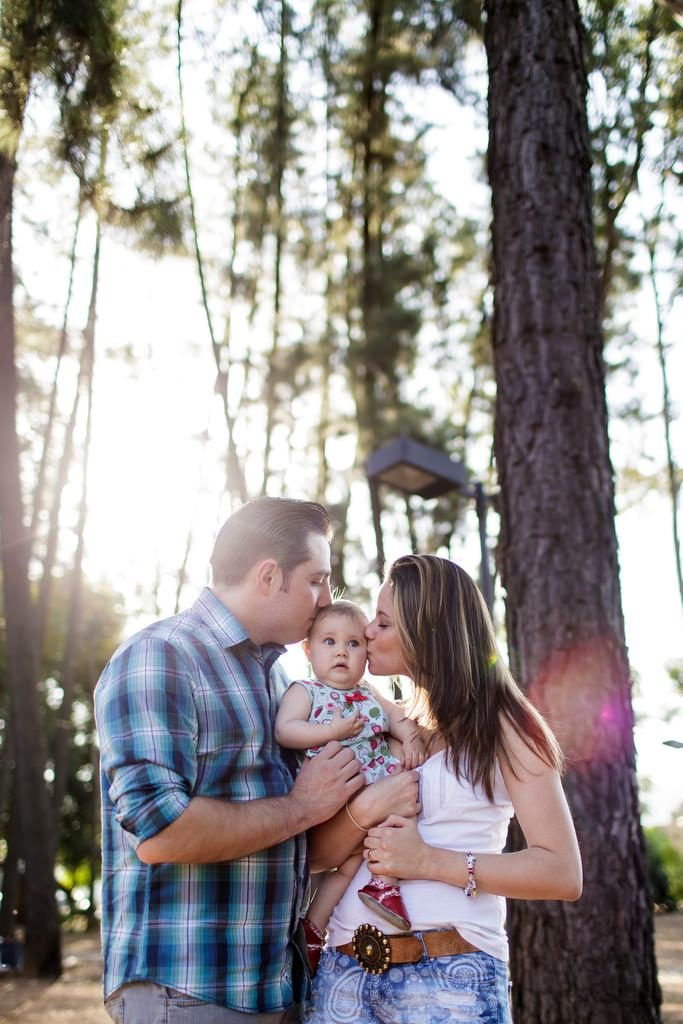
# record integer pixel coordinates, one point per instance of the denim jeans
(145, 1002)
(471, 988)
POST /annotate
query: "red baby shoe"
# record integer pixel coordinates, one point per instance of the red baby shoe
(385, 899)
(315, 941)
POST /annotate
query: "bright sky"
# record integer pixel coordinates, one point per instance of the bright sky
(654, 634)
(153, 477)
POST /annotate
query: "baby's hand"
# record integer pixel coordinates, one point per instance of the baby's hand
(413, 752)
(344, 728)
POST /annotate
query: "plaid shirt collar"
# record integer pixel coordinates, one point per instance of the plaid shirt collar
(228, 630)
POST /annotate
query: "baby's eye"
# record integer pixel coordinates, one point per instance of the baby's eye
(354, 643)
(329, 640)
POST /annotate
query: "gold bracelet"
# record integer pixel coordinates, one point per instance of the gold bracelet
(348, 811)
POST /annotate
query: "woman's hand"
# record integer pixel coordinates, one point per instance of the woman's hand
(396, 848)
(397, 794)
(337, 839)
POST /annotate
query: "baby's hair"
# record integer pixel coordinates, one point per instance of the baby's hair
(346, 608)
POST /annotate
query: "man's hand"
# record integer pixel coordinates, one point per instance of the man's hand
(325, 783)
(210, 830)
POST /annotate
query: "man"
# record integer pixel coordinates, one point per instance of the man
(204, 857)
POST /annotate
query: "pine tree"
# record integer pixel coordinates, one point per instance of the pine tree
(558, 553)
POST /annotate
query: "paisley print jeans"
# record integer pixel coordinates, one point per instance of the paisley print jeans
(470, 988)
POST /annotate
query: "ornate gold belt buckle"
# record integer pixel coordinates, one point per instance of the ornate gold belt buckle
(371, 949)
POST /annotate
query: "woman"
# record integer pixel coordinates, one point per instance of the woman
(489, 756)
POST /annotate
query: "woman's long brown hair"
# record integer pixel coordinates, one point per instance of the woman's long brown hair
(449, 647)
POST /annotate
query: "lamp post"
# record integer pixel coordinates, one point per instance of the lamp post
(415, 468)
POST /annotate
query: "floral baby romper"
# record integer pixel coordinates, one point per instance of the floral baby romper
(370, 746)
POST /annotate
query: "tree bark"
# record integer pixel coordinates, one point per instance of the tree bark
(42, 956)
(591, 961)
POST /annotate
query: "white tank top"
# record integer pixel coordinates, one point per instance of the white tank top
(455, 816)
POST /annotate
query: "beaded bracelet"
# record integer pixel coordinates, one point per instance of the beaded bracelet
(348, 811)
(470, 888)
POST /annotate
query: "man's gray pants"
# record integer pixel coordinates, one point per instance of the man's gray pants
(145, 1002)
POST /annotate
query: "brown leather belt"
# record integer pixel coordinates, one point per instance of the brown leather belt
(375, 951)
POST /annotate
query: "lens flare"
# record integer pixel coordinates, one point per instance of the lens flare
(584, 692)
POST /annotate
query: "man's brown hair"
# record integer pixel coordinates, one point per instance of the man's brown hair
(277, 528)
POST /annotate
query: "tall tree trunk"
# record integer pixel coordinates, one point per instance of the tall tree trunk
(236, 482)
(374, 126)
(326, 344)
(238, 127)
(591, 961)
(50, 556)
(410, 520)
(61, 351)
(42, 925)
(280, 149)
(74, 616)
(10, 873)
(6, 763)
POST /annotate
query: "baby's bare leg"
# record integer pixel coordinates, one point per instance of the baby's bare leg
(330, 890)
(396, 748)
(350, 866)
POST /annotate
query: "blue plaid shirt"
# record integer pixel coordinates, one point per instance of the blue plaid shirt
(186, 708)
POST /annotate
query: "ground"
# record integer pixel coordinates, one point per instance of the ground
(670, 960)
(76, 997)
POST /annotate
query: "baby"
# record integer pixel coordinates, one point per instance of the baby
(337, 704)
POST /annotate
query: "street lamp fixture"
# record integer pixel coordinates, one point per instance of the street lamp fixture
(414, 468)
